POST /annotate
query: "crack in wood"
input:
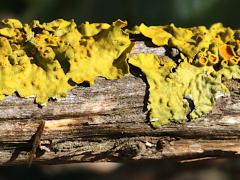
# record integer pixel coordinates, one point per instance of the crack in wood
(108, 122)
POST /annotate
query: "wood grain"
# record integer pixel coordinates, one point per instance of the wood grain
(108, 122)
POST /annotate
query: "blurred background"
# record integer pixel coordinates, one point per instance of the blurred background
(152, 12)
(212, 169)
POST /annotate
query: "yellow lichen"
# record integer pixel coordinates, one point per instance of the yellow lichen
(188, 40)
(91, 29)
(206, 55)
(171, 91)
(194, 40)
(88, 57)
(44, 59)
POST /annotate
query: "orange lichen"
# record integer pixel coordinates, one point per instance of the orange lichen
(226, 51)
(233, 60)
(202, 61)
(212, 59)
(224, 63)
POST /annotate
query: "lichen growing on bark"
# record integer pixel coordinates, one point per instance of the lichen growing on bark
(187, 88)
(44, 59)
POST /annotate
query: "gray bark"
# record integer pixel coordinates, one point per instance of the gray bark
(108, 122)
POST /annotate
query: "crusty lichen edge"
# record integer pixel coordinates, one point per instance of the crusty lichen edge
(46, 60)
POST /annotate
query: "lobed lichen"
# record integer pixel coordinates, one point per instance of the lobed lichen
(46, 60)
(187, 88)
(200, 45)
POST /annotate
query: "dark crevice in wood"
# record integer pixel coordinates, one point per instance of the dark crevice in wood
(138, 73)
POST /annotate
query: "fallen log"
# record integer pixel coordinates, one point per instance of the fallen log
(108, 122)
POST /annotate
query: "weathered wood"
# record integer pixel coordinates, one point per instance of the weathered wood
(108, 122)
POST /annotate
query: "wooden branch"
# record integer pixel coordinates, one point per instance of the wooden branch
(108, 122)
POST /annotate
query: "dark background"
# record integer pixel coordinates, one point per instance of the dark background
(152, 12)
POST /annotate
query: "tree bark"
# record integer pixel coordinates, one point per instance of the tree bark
(108, 122)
